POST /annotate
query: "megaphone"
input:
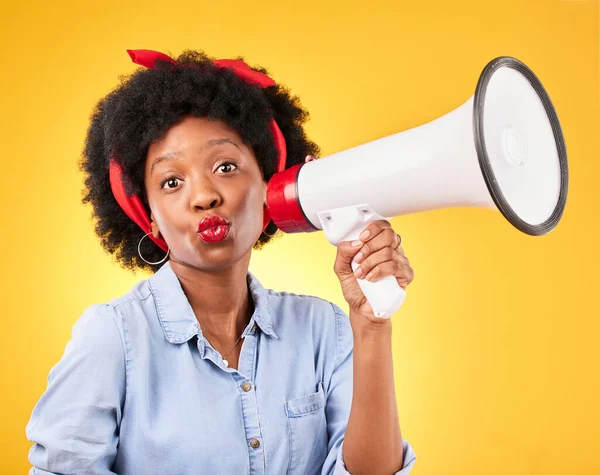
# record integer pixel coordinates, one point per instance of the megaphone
(503, 149)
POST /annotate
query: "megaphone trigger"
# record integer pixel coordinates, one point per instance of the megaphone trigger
(346, 224)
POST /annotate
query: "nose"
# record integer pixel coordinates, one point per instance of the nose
(204, 194)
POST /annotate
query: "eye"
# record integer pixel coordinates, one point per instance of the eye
(170, 182)
(227, 167)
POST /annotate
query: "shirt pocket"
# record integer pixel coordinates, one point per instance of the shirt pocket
(307, 432)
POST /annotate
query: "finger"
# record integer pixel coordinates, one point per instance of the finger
(373, 229)
(345, 253)
(387, 237)
(405, 275)
(398, 241)
(395, 267)
(383, 255)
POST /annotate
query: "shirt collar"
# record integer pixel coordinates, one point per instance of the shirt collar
(177, 318)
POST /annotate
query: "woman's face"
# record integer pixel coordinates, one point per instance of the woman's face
(201, 168)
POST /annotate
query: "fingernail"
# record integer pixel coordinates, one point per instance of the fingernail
(364, 235)
(356, 243)
(358, 257)
(358, 272)
(369, 275)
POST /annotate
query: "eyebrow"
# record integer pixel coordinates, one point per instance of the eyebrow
(178, 154)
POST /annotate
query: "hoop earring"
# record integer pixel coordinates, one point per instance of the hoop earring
(148, 262)
(271, 235)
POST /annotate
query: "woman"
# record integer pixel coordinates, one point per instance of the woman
(199, 369)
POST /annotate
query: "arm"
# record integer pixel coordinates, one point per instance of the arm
(74, 425)
(354, 411)
(373, 443)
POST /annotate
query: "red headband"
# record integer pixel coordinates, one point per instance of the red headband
(132, 204)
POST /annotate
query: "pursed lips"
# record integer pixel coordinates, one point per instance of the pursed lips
(211, 221)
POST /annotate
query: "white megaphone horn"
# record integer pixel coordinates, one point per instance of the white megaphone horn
(502, 149)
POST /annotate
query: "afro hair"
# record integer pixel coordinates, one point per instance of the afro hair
(146, 104)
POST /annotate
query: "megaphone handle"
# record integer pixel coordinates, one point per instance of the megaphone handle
(385, 295)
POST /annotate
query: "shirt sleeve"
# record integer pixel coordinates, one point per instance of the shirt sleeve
(339, 401)
(75, 423)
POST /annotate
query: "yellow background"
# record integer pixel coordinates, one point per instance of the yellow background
(496, 349)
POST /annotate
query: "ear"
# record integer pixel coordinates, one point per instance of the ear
(265, 194)
(155, 230)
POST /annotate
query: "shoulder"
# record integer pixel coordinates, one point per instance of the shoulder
(102, 323)
(96, 342)
(303, 306)
(309, 314)
(137, 293)
(98, 322)
(134, 306)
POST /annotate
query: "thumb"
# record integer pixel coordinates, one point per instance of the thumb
(343, 261)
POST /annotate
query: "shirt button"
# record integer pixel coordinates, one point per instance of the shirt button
(246, 387)
(255, 443)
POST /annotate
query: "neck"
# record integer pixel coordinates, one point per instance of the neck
(220, 299)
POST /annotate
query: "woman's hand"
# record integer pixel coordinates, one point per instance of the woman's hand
(378, 254)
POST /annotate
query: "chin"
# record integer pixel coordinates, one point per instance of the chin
(216, 256)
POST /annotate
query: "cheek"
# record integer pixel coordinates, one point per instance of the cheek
(254, 204)
(168, 221)
(253, 209)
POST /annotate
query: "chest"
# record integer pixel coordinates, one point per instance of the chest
(194, 415)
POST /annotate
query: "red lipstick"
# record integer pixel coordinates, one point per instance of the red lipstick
(213, 228)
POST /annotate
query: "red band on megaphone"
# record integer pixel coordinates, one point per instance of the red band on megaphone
(284, 204)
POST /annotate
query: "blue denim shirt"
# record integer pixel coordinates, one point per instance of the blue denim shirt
(140, 391)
